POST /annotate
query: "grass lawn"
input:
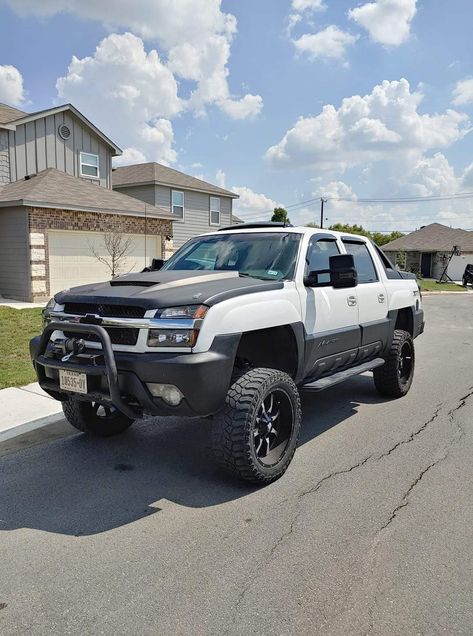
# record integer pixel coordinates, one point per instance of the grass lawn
(428, 284)
(17, 327)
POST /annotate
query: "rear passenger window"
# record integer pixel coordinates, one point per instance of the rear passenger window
(318, 257)
(363, 261)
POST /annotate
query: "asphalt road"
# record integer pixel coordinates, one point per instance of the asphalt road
(369, 532)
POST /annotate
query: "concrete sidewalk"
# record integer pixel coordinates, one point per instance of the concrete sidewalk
(25, 409)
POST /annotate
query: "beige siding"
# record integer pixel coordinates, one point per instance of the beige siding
(14, 254)
(37, 145)
(144, 193)
(4, 157)
(196, 213)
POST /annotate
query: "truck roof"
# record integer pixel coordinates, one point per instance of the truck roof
(280, 228)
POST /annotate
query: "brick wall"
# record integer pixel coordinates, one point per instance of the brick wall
(4, 157)
(41, 220)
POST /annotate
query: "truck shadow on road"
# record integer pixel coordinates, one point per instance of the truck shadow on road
(81, 486)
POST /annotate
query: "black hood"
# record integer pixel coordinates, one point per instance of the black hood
(173, 288)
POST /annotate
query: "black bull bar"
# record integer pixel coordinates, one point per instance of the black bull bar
(109, 369)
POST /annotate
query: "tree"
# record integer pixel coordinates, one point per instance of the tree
(117, 248)
(312, 224)
(377, 237)
(280, 216)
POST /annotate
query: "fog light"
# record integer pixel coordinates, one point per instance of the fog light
(167, 392)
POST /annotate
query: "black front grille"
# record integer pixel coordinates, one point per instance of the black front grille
(118, 336)
(104, 310)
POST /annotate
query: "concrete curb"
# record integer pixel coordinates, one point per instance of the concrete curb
(438, 293)
(27, 427)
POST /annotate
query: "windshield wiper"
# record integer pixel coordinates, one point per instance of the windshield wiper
(246, 275)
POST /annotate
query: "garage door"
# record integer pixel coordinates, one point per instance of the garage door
(72, 261)
(457, 266)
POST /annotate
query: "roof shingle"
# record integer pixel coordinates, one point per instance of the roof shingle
(156, 173)
(432, 238)
(8, 113)
(56, 189)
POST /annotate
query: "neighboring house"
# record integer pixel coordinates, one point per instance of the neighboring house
(196, 206)
(427, 250)
(56, 203)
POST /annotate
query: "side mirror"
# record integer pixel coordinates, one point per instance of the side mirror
(343, 271)
(156, 264)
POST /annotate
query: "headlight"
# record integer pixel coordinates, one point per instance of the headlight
(172, 337)
(46, 317)
(187, 311)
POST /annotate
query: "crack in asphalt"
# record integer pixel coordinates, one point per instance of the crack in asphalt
(405, 498)
(313, 489)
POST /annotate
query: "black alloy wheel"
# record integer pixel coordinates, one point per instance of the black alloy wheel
(255, 436)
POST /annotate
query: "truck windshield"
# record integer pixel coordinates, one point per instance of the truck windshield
(268, 256)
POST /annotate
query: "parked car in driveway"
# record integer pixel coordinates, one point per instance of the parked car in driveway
(233, 325)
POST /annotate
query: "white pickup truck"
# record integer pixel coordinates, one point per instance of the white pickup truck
(232, 326)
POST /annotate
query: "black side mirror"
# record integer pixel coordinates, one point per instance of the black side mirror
(156, 264)
(343, 271)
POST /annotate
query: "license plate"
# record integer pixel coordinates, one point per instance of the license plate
(72, 381)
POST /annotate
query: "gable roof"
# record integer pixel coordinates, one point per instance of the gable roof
(19, 117)
(8, 113)
(432, 238)
(152, 172)
(53, 188)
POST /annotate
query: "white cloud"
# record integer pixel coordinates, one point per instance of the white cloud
(129, 93)
(129, 156)
(332, 42)
(387, 21)
(220, 178)
(463, 92)
(195, 36)
(11, 85)
(384, 125)
(252, 205)
(247, 107)
(308, 5)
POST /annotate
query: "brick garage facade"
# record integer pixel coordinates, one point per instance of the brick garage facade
(41, 220)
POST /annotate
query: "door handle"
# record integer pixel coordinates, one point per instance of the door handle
(351, 300)
(381, 298)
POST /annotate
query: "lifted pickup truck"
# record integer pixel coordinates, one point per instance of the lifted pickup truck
(232, 326)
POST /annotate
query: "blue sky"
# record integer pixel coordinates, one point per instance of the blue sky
(283, 101)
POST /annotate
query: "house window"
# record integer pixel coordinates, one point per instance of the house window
(214, 211)
(89, 165)
(177, 203)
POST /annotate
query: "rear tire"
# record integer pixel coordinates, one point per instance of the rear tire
(394, 378)
(95, 419)
(255, 436)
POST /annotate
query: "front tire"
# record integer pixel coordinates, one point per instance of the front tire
(95, 419)
(256, 435)
(394, 378)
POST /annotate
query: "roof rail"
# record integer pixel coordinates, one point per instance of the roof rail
(257, 224)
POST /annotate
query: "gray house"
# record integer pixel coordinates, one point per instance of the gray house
(196, 206)
(56, 204)
(427, 251)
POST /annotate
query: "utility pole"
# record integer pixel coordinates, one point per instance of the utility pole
(322, 201)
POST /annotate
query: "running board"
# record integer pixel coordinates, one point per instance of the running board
(341, 376)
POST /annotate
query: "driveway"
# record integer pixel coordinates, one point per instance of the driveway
(370, 531)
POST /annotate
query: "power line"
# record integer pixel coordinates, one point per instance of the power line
(441, 197)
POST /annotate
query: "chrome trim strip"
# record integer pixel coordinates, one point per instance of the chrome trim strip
(133, 323)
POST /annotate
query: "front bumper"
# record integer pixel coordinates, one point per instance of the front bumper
(120, 378)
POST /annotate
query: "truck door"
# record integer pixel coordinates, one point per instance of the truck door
(372, 298)
(330, 315)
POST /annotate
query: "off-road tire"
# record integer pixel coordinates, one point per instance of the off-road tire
(83, 416)
(235, 429)
(389, 379)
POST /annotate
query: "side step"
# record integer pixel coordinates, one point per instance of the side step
(341, 376)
